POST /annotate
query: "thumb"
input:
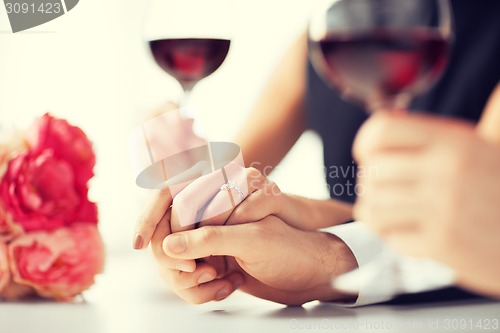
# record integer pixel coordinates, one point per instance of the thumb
(489, 124)
(240, 241)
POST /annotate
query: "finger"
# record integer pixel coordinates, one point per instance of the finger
(164, 261)
(220, 208)
(402, 132)
(216, 290)
(239, 241)
(217, 210)
(256, 206)
(391, 209)
(390, 167)
(190, 204)
(158, 203)
(409, 242)
(219, 263)
(179, 280)
(385, 131)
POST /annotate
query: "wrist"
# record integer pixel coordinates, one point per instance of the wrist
(336, 259)
(281, 202)
(294, 211)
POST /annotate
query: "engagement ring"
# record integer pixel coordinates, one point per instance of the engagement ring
(231, 184)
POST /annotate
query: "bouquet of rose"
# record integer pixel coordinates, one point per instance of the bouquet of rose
(49, 241)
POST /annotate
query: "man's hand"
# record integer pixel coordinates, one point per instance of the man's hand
(268, 259)
(433, 191)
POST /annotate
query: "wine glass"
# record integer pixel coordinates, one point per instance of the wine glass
(188, 39)
(381, 54)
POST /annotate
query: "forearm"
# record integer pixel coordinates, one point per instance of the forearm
(312, 214)
(278, 117)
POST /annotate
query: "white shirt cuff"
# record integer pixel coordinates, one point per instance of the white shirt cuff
(384, 274)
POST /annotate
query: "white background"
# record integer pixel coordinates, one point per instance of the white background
(91, 67)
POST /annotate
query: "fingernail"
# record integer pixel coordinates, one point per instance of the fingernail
(205, 277)
(221, 294)
(176, 243)
(183, 266)
(138, 242)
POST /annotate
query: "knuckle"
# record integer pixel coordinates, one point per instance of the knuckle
(253, 174)
(251, 171)
(208, 233)
(272, 188)
(241, 214)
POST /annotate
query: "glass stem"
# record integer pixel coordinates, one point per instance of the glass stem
(188, 112)
(397, 104)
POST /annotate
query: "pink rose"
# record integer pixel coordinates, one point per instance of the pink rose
(4, 266)
(8, 288)
(40, 191)
(58, 264)
(67, 142)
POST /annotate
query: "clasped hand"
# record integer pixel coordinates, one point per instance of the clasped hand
(249, 247)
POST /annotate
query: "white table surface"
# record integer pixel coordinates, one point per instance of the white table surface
(130, 297)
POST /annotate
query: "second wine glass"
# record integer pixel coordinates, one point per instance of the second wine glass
(381, 54)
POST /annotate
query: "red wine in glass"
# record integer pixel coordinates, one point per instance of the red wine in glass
(378, 67)
(189, 60)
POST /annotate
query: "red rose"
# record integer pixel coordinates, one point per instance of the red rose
(67, 142)
(41, 192)
(46, 187)
(58, 264)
